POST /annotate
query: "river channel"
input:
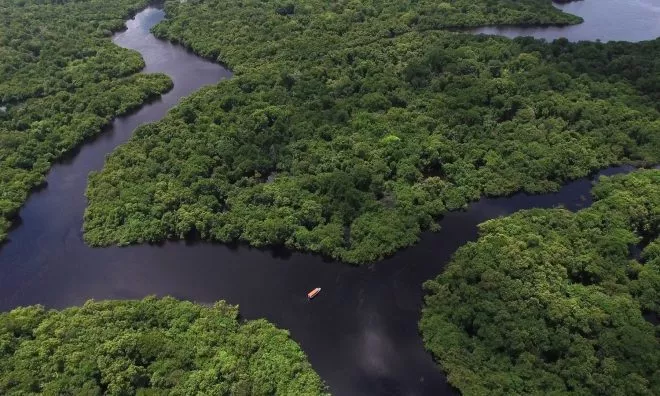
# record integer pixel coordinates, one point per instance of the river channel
(360, 333)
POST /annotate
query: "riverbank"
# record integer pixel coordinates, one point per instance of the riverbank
(602, 22)
(49, 110)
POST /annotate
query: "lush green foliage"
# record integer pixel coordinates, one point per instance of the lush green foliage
(148, 347)
(551, 302)
(351, 126)
(61, 80)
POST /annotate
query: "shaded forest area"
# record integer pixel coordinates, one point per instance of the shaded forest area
(349, 127)
(149, 347)
(61, 81)
(547, 301)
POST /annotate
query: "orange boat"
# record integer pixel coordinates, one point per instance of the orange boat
(313, 293)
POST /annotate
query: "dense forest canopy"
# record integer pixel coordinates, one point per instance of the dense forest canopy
(547, 301)
(61, 80)
(149, 347)
(350, 126)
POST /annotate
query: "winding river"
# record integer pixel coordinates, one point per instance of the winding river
(360, 333)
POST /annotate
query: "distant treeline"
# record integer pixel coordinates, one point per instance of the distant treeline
(61, 80)
(351, 126)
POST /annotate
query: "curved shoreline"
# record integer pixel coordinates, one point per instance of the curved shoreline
(600, 23)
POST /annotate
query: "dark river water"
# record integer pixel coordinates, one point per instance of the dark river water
(360, 333)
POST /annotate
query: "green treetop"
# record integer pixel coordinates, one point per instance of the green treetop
(547, 301)
(148, 347)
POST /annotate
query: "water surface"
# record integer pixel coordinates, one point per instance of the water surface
(360, 333)
(604, 20)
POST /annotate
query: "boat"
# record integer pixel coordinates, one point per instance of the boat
(313, 293)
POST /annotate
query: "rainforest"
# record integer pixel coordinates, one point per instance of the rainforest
(61, 81)
(351, 127)
(549, 301)
(148, 347)
(350, 130)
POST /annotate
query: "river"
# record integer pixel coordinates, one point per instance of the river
(360, 333)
